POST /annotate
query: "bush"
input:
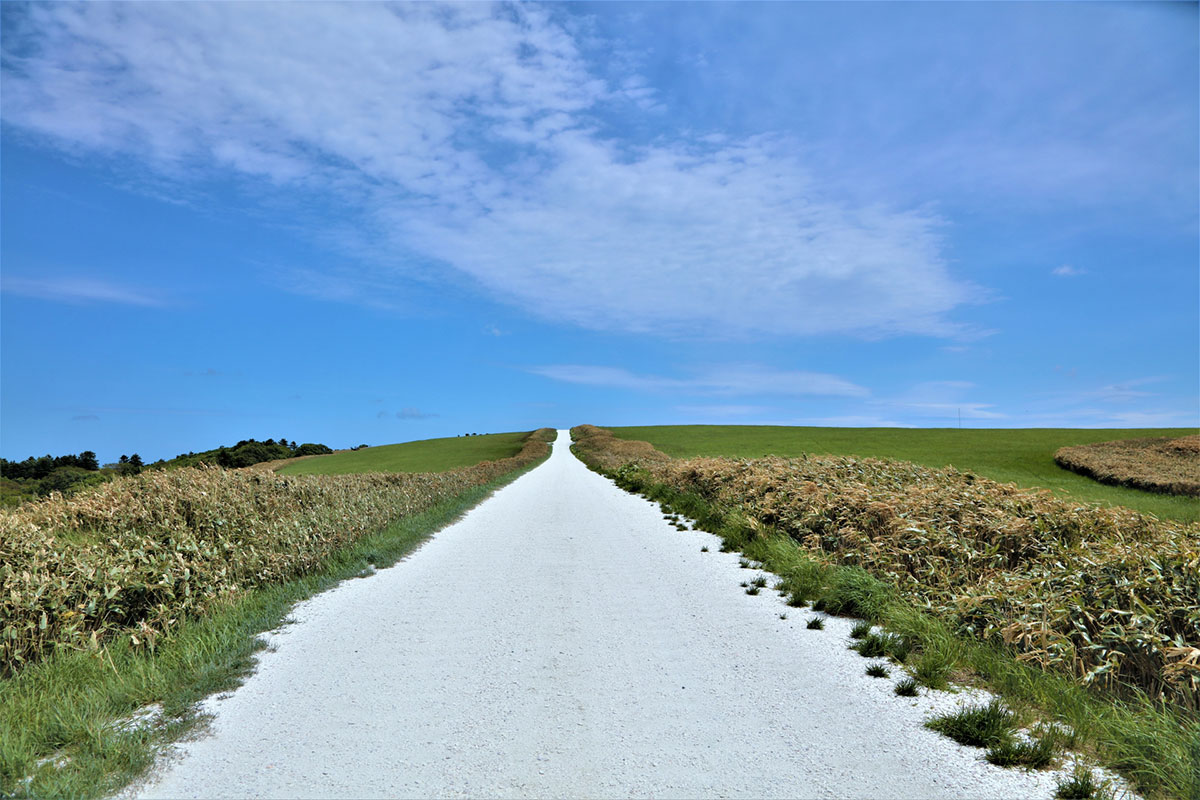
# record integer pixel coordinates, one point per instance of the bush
(309, 449)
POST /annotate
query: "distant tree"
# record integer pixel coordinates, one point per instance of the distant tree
(135, 460)
(124, 459)
(87, 460)
(310, 449)
(62, 480)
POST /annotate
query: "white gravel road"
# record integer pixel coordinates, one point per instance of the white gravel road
(562, 640)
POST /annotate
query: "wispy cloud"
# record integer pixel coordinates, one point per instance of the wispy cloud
(939, 401)
(80, 291)
(1068, 271)
(733, 380)
(474, 150)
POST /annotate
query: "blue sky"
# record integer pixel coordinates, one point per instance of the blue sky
(365, 223)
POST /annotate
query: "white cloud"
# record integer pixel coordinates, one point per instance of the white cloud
(80, 290)
(732, 380)
(467, 138)
(1068, 271)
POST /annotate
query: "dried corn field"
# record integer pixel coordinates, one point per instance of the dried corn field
(1169, 466)
(1107, 595)
(137, 555)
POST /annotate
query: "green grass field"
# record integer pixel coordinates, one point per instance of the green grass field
(1021, 456)
(427, 455)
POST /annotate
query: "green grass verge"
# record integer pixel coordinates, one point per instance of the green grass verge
(1021, 456)
(427, 455)
(1154, 746)
(57, 716)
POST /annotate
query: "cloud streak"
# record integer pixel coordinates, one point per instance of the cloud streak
(470, 142)
(733, 380)
(80, 291)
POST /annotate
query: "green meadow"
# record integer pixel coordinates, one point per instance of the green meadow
(1024, 456)
(427, 455)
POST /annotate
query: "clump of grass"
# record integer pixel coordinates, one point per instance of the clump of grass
(860, 629)
(760, 582)
(783, 615)
(906, 688)
(976, 726)
(878, 671)
(855, 592)
(1034, 753)
(932, 668)
(796, 601)
(744, 564)
(880, 645)
(1082, 785)
(816, 624)
(704, 549)
(753, 590)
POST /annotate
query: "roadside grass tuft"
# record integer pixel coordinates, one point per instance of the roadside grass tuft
(1082, 785)
(860, 629)
(1035, 753)
(932, 668)
(753, 590)
(878, 671)
(853, 592)
(881, 645)
(815, 624)
(704, 549)
(977, 726)
(906, 688)
(760, 582)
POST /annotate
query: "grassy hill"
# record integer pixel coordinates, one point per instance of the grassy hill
(427, 455)
(1021, 456)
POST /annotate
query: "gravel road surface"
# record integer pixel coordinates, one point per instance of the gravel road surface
(563, 640)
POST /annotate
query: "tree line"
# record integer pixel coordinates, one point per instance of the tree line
(38, 477)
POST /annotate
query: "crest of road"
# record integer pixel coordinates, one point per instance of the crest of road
(563, 640)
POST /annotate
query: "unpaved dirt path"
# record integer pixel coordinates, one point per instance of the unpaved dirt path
(563, 640)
